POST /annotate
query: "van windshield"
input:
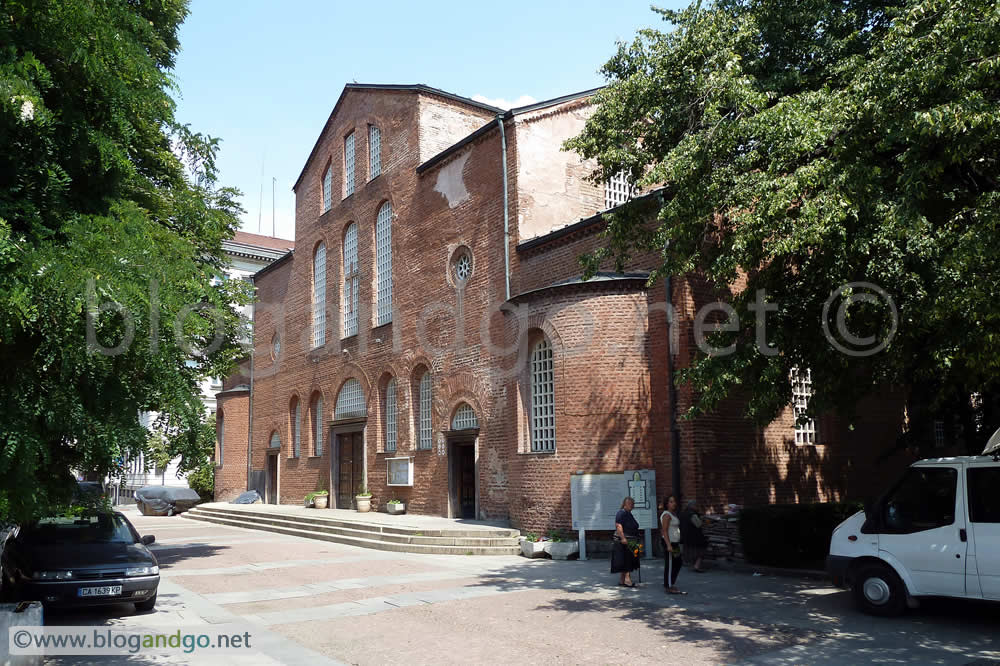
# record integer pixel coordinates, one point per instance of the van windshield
(923, 500)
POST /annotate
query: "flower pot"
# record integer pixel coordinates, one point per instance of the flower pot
(533, 548)
(561, 550)
(320, 501)
(364, 503)
(396, 508)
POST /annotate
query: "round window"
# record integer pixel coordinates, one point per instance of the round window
(463, 267)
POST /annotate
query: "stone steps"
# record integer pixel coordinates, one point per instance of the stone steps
(367, 535)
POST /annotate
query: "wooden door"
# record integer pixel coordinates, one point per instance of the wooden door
(351, 459)
(467, 481)
(272, 479)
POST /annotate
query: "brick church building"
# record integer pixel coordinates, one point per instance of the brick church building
(431, 330)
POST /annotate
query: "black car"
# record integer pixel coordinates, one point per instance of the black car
(89, 560)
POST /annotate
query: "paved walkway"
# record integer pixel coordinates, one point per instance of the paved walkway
(307, 601)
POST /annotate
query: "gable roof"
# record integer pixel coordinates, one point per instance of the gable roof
(414, 87)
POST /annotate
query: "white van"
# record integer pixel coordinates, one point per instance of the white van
(935, 533)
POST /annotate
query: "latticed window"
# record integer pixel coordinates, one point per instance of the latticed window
(465, 418)
(351, 281)
(296, 428)
(349, 165)
(390, 415)
(543, 398)
(939, 436)
(383, 263)
(328, 189)
(424, 422)
(275, 441)
(802, 392)
(374, 152)
(318, 426)
(319, 297)
(350, 401)
(616, 190)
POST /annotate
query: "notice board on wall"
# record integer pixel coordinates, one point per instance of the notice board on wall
(596, 498)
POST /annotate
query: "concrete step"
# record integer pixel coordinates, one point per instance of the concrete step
(319, 519)
(358, 530)
(371, 540)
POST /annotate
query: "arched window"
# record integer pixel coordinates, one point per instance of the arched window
(350, 401)
(319, 296)
(295, 423)
(275, 442)
(222, 437)
(351, 281)
(543, 398)
(349, 165)
(318, 426)
(383, 263)
(374, 152)
(464, 418)
(389, 405)
(424, 439)
(328, 189)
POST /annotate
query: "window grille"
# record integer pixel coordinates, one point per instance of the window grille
(374, 152)
(351, 281)
(297, 429)
(318, 430)
(463, 268)
(319, 297)
(349, 165)
(383, 263)
(350, 401)
(543, 399)
(939, 438)
(424, 424)
(390, 415)
(328, 189)
(465, 418)
(802, 392)
(617, 190)
(275, 441)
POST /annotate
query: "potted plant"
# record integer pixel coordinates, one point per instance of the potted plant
(318, 499)
(533, 545)
(560, 546)
(364, 499)
(395, 507)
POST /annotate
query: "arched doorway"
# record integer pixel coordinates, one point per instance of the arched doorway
(463, 476)
(348, 460)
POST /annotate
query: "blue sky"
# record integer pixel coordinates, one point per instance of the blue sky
(263, 76)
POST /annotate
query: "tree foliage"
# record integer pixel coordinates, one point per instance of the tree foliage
(111, 230)
(803, 145)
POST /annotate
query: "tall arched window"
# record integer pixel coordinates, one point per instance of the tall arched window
(543, 398)
(319, 296)
(351, 281)
(383, 263)
(328, 189)
(424, 438)
(318, 425)
(295, 424)
(374, 152)
(389, 406)
(349, 165)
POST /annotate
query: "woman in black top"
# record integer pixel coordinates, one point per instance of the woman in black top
(623, 560)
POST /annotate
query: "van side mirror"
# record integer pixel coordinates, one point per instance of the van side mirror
(148, 539)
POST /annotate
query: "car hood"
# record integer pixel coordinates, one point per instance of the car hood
(87, 556)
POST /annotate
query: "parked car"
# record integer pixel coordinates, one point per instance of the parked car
(87, 560)
(165, 500)
(936, 532)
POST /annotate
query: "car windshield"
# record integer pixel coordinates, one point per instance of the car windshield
(100, 528)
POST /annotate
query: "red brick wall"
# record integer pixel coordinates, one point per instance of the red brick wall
(231, 475)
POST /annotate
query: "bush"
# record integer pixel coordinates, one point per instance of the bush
(791, 535)
(202, 481)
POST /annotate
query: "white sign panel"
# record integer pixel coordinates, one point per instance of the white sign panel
(641, 484)
(595, 499)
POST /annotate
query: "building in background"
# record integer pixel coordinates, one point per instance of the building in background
(247, 254)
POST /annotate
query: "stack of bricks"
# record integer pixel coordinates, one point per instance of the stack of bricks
(723, 533)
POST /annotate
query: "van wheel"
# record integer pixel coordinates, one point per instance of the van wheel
(879, 591)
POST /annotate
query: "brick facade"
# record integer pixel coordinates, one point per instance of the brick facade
(442, 174)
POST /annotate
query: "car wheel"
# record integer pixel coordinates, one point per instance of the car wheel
(879, 591)
(144, 606)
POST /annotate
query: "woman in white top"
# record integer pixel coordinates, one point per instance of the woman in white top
(670, 532)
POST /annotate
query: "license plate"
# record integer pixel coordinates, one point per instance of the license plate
(105, 591)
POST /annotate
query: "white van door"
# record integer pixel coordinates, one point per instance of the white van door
(984, 524)
(922, 529)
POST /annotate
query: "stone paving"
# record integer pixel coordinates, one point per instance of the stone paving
(307, 601)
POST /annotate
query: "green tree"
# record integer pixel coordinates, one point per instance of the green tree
(111, 230)
(808, 144)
